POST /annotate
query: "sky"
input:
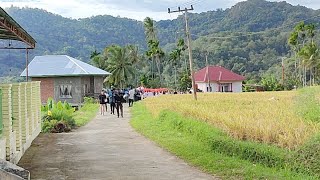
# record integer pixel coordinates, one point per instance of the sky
(134, 9)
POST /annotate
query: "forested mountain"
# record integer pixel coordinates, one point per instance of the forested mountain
(248, 38)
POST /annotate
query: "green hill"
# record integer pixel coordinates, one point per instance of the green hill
(248, 38)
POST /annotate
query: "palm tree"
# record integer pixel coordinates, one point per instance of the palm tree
(174, 57)
(134, 58)
(119, 65)
(310, 58)
(154, 51)
(94, 53)
(149, 29)
(181, 47)
(98, 60)
(301, 35)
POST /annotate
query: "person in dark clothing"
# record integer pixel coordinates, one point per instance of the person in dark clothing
(102, 100)
(118, 96)
(112, 100)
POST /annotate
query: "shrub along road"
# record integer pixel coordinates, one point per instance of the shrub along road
(106, 148)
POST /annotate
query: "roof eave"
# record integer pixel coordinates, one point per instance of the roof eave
(67, 75)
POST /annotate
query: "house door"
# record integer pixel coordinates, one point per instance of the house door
(91, 84)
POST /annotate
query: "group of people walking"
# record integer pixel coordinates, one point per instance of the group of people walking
(116, 98)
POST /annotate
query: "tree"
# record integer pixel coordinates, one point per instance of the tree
(181, 47)
(94, 54)
(154, 50)
(185, 81)
(174, 61)
(135, 58)
(149, 29)
(175, 58)
(119, 65)
(270, 83)
(98, 60)
(305, 48)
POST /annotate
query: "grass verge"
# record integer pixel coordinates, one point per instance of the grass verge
(86, 113)
(212, 150)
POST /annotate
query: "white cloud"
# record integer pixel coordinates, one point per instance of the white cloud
(135, 9)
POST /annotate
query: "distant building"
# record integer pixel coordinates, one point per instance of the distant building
(64, 78)
(218, 79)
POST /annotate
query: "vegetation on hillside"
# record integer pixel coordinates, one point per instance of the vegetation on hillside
(240, 38)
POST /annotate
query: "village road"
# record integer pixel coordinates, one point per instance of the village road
(106, 148)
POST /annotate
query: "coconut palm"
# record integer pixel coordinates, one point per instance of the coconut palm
(302, 41)
(310, 58)
(174, 58)
(98, 60)
(119, 65)
(94, 53)
(135, 58)
(154, 50)
(181, 47)
(149, 29)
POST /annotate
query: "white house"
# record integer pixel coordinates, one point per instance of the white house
(218, 79)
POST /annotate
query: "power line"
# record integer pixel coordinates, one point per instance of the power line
(188, 3)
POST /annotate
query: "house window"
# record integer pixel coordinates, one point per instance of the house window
(225, 87)
(65, 91)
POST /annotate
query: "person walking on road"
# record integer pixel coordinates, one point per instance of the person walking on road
(112, 100)
(118, 96)
(107, 99)
(102, 100)
(131, 97)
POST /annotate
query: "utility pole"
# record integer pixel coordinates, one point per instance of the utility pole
(185, 10)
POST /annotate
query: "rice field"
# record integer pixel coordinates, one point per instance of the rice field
(268, 117)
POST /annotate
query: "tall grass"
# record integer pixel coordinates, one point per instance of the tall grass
(308, 103)
(268, 117)
(213, 150)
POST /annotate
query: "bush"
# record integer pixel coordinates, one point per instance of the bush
(48, 125)
(57, 113)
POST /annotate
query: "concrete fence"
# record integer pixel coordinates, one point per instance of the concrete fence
(21, 118)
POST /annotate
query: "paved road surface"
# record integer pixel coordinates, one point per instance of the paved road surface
(106, 148)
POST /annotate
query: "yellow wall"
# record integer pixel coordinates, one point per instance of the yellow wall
(21, 117)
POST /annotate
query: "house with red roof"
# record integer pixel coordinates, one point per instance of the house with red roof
(218, 79)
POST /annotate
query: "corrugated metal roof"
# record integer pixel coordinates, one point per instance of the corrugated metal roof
(10, 29)
(60, 65)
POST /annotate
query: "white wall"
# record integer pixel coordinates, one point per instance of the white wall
(236, 86)
(203, 86)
